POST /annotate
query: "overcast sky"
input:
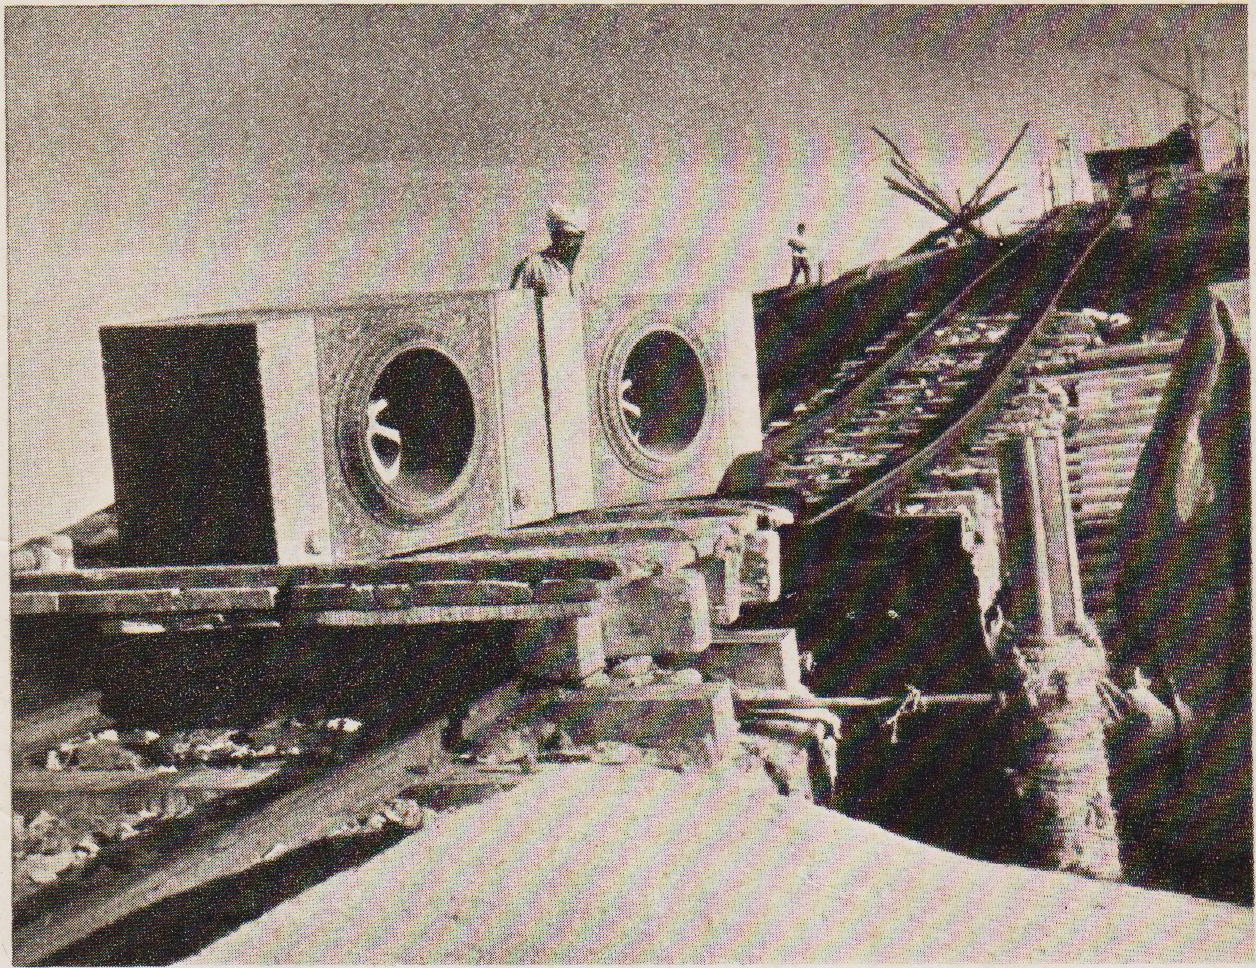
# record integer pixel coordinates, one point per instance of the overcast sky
(184, 159)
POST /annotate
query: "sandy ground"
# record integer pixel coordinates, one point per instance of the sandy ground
(594, 864)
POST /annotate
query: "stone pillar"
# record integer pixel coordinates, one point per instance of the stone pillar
(1049, 655)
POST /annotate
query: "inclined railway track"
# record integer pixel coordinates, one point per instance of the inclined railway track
(872, 431)
(855, 379)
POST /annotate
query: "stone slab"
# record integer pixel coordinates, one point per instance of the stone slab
(754, 658)
(653, 716)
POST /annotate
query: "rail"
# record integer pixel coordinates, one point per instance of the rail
(988, 404)
(935, 393)
(803, 431)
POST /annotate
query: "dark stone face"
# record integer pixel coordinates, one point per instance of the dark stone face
(566, 245)
(188, 436)
(665, 389)
(421, 425)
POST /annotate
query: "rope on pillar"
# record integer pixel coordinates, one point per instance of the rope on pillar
(1049, 654)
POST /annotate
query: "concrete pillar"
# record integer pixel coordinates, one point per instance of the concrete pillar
(1049, 654)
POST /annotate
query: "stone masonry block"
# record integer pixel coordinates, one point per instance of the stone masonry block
(654, 716)
(753, 658)
(562, 650)
(667, 613)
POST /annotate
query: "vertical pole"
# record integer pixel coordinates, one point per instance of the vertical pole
(1240, 147)
(1070, 159)
(1191, 106)
(1049, 655)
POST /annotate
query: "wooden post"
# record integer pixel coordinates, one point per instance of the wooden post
(667, 613)
(1049, 655)
(562, 650)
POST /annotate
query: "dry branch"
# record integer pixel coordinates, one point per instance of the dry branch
(981, 189)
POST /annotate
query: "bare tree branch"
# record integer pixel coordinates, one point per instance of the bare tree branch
(986, 207)
(919, 199)
(966, 220)
(981, 190)
(893, 147)
(902, 164)
(917, 181)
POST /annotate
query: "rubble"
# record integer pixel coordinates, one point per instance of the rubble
(509, 746)
(144, 749)
(344, 724)
(49, 845)
(97, 754)
(46, 868)
(682, 677)
(638, 670)
(63, 839)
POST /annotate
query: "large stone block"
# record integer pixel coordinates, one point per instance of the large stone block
(752, 658)
(348, 432)
(653, 716)
(563, 650)
(671, 394)
(664, 614)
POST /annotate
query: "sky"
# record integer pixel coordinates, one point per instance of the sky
(174, 160)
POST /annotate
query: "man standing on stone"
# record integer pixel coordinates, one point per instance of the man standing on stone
(801, 259)
(552, 270)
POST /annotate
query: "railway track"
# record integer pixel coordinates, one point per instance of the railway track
(808, 342)
(934, 387)
(349, 687)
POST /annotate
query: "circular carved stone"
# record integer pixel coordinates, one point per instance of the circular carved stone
(407, 428)
(654, 397)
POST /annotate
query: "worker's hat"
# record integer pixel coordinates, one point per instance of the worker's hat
(563, 218)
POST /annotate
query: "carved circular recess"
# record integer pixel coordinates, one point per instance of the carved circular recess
(655, 397)
(408, 430)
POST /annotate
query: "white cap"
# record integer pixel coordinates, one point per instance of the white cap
(566, 219)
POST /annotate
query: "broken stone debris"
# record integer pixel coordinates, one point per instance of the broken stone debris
(101, 754)
(629, 674)
(344, 724)
(45, 834)
(400, 812)
(50, 844)
(46, 868)
(642, 670)
(137, 750)
(223, 747)
(509, 747)
(637, 667)
(786, 764)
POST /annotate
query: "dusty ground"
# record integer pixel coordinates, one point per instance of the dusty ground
(595, 864)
